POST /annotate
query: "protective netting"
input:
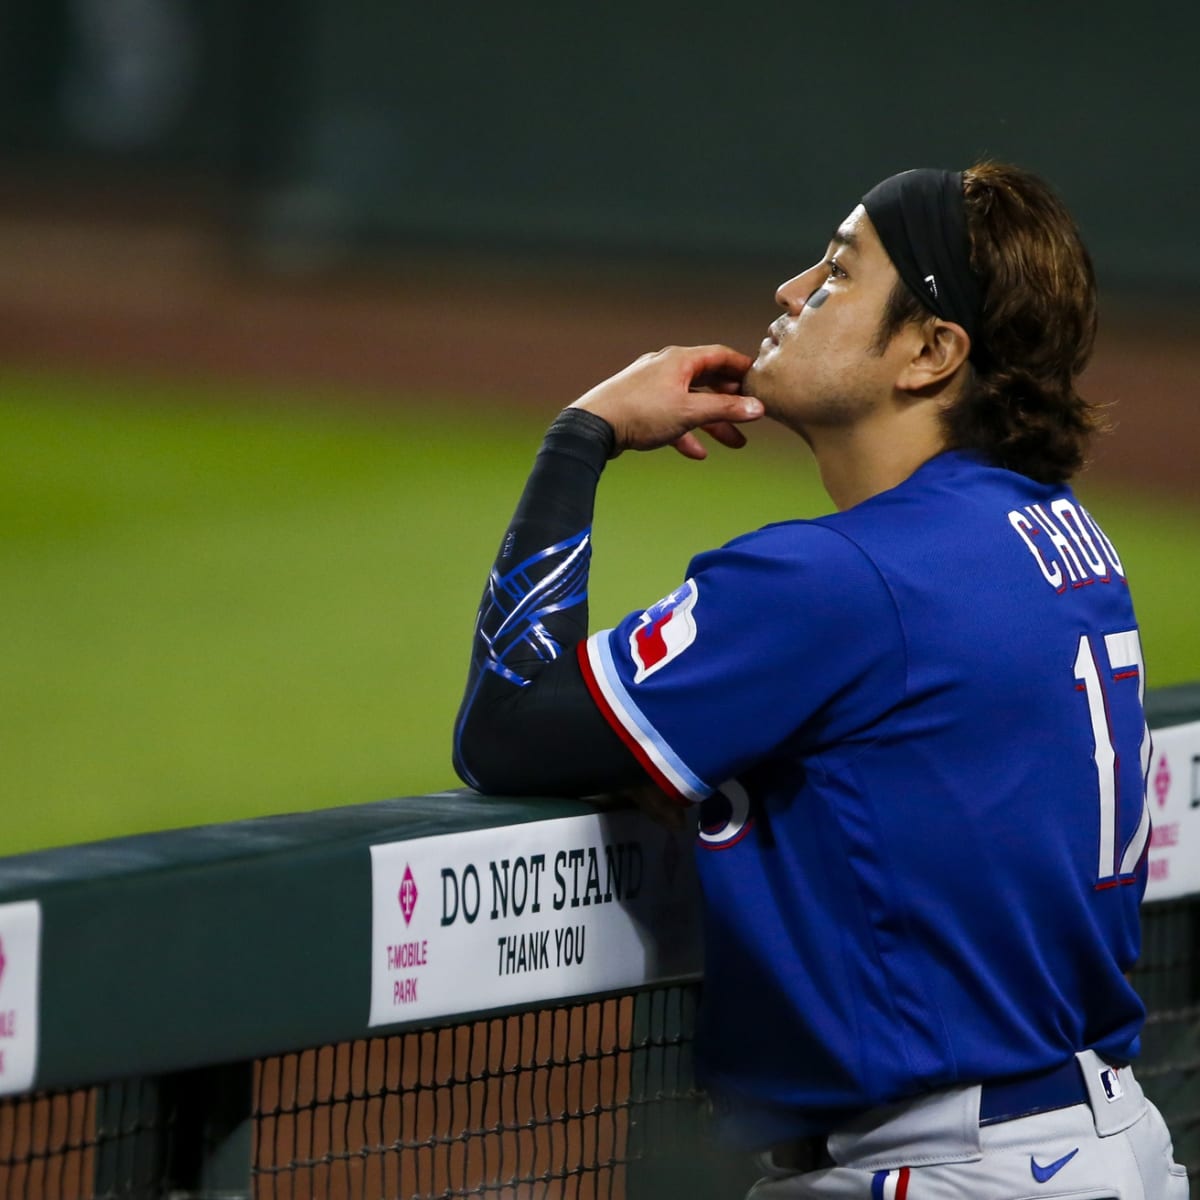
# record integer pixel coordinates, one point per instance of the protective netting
(86, 1144)
(1168, 979)
(580, 1101)
(555, 1103)
(47, 1146)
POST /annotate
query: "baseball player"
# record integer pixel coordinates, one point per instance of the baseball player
(913, 727)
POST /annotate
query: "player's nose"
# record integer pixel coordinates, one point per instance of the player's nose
(794, 293)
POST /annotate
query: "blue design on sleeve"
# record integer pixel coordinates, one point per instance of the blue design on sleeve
(515, 605)
(513, 611)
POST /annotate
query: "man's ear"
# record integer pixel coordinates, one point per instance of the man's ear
(941, 349)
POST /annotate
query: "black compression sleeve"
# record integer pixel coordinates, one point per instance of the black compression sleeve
(527, 723)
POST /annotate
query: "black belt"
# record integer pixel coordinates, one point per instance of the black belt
(1002, 1100)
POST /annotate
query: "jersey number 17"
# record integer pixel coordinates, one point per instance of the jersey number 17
(1108, 700)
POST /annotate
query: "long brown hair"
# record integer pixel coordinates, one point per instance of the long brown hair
(1020, 407)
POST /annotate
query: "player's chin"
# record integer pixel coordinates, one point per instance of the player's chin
(752, 379)
(758, 381)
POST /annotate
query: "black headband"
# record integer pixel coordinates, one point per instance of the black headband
(922, 222)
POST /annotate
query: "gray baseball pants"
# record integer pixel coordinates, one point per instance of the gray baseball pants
(1114, 1147)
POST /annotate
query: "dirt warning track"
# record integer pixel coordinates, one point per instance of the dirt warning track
(164, 293)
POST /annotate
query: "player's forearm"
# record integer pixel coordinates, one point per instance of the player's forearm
(535, 603)
(526, 722)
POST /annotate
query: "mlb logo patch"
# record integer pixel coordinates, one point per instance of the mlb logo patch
(664, 631)
(1110, 1081)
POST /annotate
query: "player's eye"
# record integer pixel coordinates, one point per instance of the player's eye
(835, 269)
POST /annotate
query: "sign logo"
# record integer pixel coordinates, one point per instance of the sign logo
(664, 632)
(1162, 781)
(407, 895)
(3, 960)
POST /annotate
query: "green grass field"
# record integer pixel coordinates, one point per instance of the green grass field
(215, 607)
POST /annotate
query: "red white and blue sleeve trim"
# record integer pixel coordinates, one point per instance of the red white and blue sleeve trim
(632, 726)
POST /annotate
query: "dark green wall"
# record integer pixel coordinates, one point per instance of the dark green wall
(734, 128)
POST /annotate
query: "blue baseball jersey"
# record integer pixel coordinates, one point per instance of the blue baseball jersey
(916, 732)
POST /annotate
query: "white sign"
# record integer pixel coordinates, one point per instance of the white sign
(527, 913)
(1173, 793)
(20, 962)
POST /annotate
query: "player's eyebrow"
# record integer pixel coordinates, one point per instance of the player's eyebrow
(844, 237)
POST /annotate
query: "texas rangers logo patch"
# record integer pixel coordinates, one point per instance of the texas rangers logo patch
(664, 631)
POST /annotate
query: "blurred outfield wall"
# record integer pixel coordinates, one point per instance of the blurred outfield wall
(688, 128)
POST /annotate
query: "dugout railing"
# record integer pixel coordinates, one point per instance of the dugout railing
(438, 996)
